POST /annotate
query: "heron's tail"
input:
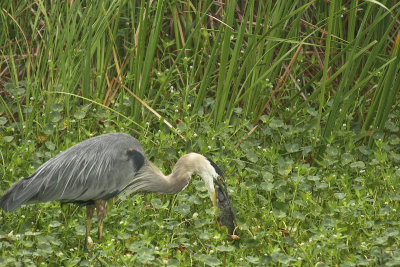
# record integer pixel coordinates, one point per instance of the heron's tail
(17, 195)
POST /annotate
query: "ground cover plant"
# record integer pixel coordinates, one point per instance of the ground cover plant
(296, 100)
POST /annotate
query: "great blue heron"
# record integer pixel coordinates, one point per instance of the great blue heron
(99, 168)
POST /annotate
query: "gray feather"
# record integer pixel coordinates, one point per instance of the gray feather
(97, 168)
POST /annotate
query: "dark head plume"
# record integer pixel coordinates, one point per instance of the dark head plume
(217, 169)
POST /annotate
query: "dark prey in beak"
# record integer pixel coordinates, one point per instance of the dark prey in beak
(227, 217)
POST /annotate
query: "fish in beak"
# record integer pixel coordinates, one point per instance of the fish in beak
(221, 200)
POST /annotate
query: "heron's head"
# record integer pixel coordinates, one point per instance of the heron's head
(204, 167)
(217, 180)
(208, 171)
(216, 186)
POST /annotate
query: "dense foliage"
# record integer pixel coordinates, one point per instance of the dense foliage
(296, 100)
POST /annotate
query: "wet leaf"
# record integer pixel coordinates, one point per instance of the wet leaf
(267, 186)
(264, 118)
(291, 148)
(391, 232)
(183, 209)
(339, 195)
(44, 249)
(252, 259)
(48, 129)
(384, 211)
(346, 158)
(55, 116)
(156, 203)
(306, 150)
(8, 139)
(267, 176)
(297, 215)
(28, 110)
(145, 255)
(57, 107)
(208, 260)
(54, 224)
(358, 164)
(79, 115)
(252, 156)
(225, 248)
(204, 236)
(50, 145)
(174, 262)
(281, 257)
(172, 245)
(313, 178)
(275, 124)
(381, 240)
(320, 185)
(27, 243)
(365, 150)
(182, 126)
(3, 121)
(278, 213)
(332, 151)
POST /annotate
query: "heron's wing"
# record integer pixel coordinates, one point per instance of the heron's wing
(97, 168)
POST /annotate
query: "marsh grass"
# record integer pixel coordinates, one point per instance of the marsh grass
(295, 99)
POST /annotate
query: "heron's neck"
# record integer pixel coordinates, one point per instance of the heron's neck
(151, 179)
(180, 176)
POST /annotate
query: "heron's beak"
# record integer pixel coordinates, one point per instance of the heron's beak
(221, 197)
(214, 198)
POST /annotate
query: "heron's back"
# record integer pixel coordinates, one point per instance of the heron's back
(97, 168)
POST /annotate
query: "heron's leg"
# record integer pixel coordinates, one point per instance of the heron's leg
(101, 206)
(89, 216)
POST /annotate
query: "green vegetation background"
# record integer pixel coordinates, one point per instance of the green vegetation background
(295, 100)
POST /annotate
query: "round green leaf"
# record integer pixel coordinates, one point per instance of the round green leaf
(79, 115)
(297, 215)
(57, 107)
(267, 186)
(252, 259)
(225, 248)
(8, 139)
(54, 224)
(346, 158)
(358, 164)
(3, 121)
(183, 209)
(291, 148)
(210, 260)
(275, 124)
(339, 195)
(50, 145)
(55, 116)
(156, 203)
(313, 178)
